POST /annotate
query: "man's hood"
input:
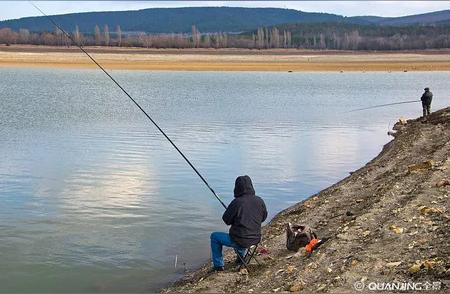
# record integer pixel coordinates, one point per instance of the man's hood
(243, 186)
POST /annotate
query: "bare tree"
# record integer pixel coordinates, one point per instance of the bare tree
(207, 41)
(145, 40)
(195, 37)
(260, 36)
(275, 40)
(24, 36)
(322, 44)
(59, 37)
(106, 32)
(119, 36)
(97, 36)
(77, 36)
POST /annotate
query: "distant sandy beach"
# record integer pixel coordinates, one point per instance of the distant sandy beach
(223, 59)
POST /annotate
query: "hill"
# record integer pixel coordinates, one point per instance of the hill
(207, 19)
(438, 17)
(174, 20)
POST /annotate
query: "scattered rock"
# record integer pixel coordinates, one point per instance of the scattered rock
(345, 237)
(443, 183)
(414, 268)
(424, 210)
(393, 264)
(426, 165)
(396, 229)
(321, 287)
(392, 133)
(296, 287)
(426, 264)
(243, 271)
(290, 269)
(402, 121)
(279, 271)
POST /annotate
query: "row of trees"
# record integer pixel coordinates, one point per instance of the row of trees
(368, 37)
(314, 36)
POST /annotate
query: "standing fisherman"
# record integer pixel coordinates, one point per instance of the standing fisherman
(245, 215)
(426, 98)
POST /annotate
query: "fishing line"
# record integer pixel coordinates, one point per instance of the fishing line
(383, 105)
(134, 101)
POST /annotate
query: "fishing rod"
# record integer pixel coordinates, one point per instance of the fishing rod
(383, 105)
(134, 101)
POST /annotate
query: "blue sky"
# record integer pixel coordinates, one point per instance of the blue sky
(17, 9)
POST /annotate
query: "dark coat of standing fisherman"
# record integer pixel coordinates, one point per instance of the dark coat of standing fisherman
(426, 98)
(245, 215)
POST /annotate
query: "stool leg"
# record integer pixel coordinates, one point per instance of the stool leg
(243, 261)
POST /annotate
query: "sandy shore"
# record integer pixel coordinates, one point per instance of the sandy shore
(388, 222)
(223, 59)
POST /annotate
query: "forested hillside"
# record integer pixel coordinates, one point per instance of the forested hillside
(174, 20)
(228, 27)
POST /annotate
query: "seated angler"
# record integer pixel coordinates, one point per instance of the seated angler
(245, 215)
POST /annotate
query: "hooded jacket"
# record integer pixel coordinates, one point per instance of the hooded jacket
(427, 97)
(245, 214)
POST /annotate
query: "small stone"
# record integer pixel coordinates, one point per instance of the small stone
(393, 264)
(279, 271)
(243, 271)
(366, 233)
(429, 164)
(290, 269)
(443, 183)
(415, 268)
(424, 210)
(276, 290)
(321, 287)
(402, 121)
(296, 287)
(396, 229)
(429, 264)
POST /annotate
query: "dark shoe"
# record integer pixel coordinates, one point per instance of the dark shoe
(219, 268)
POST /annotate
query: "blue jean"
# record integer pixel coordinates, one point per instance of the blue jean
(218, 240)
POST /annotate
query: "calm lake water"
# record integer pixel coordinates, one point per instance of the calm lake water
(94, 199)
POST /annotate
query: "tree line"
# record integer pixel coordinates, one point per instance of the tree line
(336, 36)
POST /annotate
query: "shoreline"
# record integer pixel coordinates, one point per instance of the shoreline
(275, 60)
(387, 221)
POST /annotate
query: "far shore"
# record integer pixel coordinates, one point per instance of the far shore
(280, 60)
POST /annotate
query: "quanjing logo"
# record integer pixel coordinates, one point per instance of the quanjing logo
(397, 286)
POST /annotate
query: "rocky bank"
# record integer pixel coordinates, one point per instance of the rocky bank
(388, 222)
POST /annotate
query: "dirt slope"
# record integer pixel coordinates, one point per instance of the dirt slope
(387, 222)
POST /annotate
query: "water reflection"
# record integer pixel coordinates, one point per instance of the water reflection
(94, 199)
